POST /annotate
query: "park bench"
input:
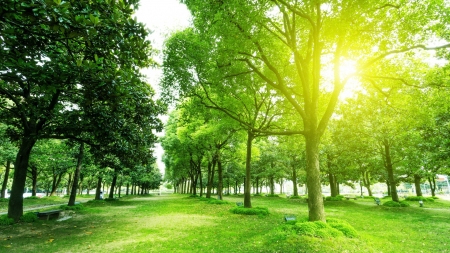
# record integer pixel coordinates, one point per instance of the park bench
(46, 215)
(239, 204)
(289, 217)
(377, 201)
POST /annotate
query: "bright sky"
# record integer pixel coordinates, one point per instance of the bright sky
(162, 17)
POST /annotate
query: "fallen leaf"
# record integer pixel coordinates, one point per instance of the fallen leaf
(50, 240)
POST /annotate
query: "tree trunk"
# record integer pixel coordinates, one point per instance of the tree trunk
(76, 176)
(211, 172)
(294, 181)
(333, 184)
(98, 189)
(220, 178)
(315, 198)
(417, 180)
(432, 182)
(366, 181)
(5, 179)
(128, 188)
(390, 171)
(15, 206)
(56, 181)
(248, 159)
(113, 185)
(34, 174)
(272, 185)
(69, 182)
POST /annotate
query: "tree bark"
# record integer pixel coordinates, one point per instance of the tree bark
(294, 181)
(432, 182)
(366, 181)
(5, 179)
(417, 180)
(113, 185)
(34, 174)
(76, 176)
(315, 198)
(333, 184)
(390, 171)
(220, 178)
(98, 189)
(15, 206)
(248, 159)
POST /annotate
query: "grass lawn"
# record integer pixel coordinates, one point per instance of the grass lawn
(176, 223)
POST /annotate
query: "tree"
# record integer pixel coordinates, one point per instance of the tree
(58, 58)
(289, 44)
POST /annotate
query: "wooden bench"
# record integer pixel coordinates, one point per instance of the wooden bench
(289, 217)
(377, 201)
(47, 215)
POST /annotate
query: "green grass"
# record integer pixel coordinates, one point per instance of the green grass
(176, 223)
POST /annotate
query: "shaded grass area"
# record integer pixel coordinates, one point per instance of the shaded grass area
(44, 201)
(176, 223)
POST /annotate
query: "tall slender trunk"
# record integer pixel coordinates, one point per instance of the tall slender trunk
(432, 182)
(69, 183)
(220, 178)
(76, 176)
(417, 180)
(333, 184)
(98, 189)
(113, 185)
(294, 180)
(34, 174)
(15, 206)
(366, 181)
(315, 199)
(248, 159)
(5, 179)
(390, 171)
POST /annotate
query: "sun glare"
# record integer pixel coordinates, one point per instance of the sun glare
(352, 86)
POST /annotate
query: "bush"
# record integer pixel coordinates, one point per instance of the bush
(74, 208)
(32, 197)
(261, 211)
(337, 198)
(217, 202)
(343, 227)
(113, 199)
(418, 198)
(272, 195)
(333, 228)
(295, 197)
(4, 200)
(29, 217)
(5, 220)
(395, 204)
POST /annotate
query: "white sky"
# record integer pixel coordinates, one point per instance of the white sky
(162, 17)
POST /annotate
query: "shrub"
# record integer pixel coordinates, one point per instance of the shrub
(5, 220)
(272, 195)
(113, 199)
(75, 207)
(418, 198)
(257, 195)
(333, 228)
(295, 197)
(395, 204)
(29, 217)
(217, 202)
(261, 211)
(32, 197)
(4, 200)
(343, 227)
(337, 198)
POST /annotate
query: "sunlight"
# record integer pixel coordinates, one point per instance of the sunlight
(353, 85)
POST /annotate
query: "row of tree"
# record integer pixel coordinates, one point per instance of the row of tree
(281, 67)
(70, 70)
